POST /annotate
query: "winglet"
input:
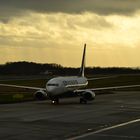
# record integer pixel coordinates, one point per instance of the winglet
(82, 69)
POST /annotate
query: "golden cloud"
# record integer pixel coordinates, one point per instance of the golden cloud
(54, 37)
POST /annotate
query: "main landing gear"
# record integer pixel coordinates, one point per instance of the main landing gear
(83, 101)
(56, 101)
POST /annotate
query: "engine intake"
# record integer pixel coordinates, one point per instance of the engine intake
(40, 95)
(88, 95)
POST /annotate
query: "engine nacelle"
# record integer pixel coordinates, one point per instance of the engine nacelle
(40, 95)
(88, 95)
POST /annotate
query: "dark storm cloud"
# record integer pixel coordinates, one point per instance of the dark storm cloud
(103, 7)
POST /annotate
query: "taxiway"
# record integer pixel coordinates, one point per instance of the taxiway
(70, 120)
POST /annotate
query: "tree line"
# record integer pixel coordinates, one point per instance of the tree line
(31, 68)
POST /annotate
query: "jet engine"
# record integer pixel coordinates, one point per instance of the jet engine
(40, 95)
(87, 95)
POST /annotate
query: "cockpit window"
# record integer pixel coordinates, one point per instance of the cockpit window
(55, 85)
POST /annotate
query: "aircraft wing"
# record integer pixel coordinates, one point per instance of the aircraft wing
(24, 87)
(107, 88)
(98, 78)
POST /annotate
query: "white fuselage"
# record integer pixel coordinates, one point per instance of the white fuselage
(60, 85)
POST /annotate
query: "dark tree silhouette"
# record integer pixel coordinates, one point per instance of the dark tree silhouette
(31, 68)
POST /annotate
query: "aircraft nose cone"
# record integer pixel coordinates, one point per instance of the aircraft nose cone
(50, 89)
(52, 85)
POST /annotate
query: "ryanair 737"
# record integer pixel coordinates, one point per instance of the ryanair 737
(61, 86)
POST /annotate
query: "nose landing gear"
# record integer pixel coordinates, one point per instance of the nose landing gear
(55, 101)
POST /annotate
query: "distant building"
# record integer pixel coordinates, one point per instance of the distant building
(46, 72)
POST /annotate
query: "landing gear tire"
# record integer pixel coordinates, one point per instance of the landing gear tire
(55, 101)
(83, 101)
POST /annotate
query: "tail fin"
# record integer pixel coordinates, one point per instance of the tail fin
(82, 69)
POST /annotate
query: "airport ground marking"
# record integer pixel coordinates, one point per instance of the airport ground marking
(118, 136)
(104, 129)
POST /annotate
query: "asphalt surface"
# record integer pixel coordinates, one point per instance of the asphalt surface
(111, 116)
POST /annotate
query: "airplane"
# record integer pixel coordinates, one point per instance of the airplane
(59, 87)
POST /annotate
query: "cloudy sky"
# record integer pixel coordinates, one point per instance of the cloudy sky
(54, 31)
